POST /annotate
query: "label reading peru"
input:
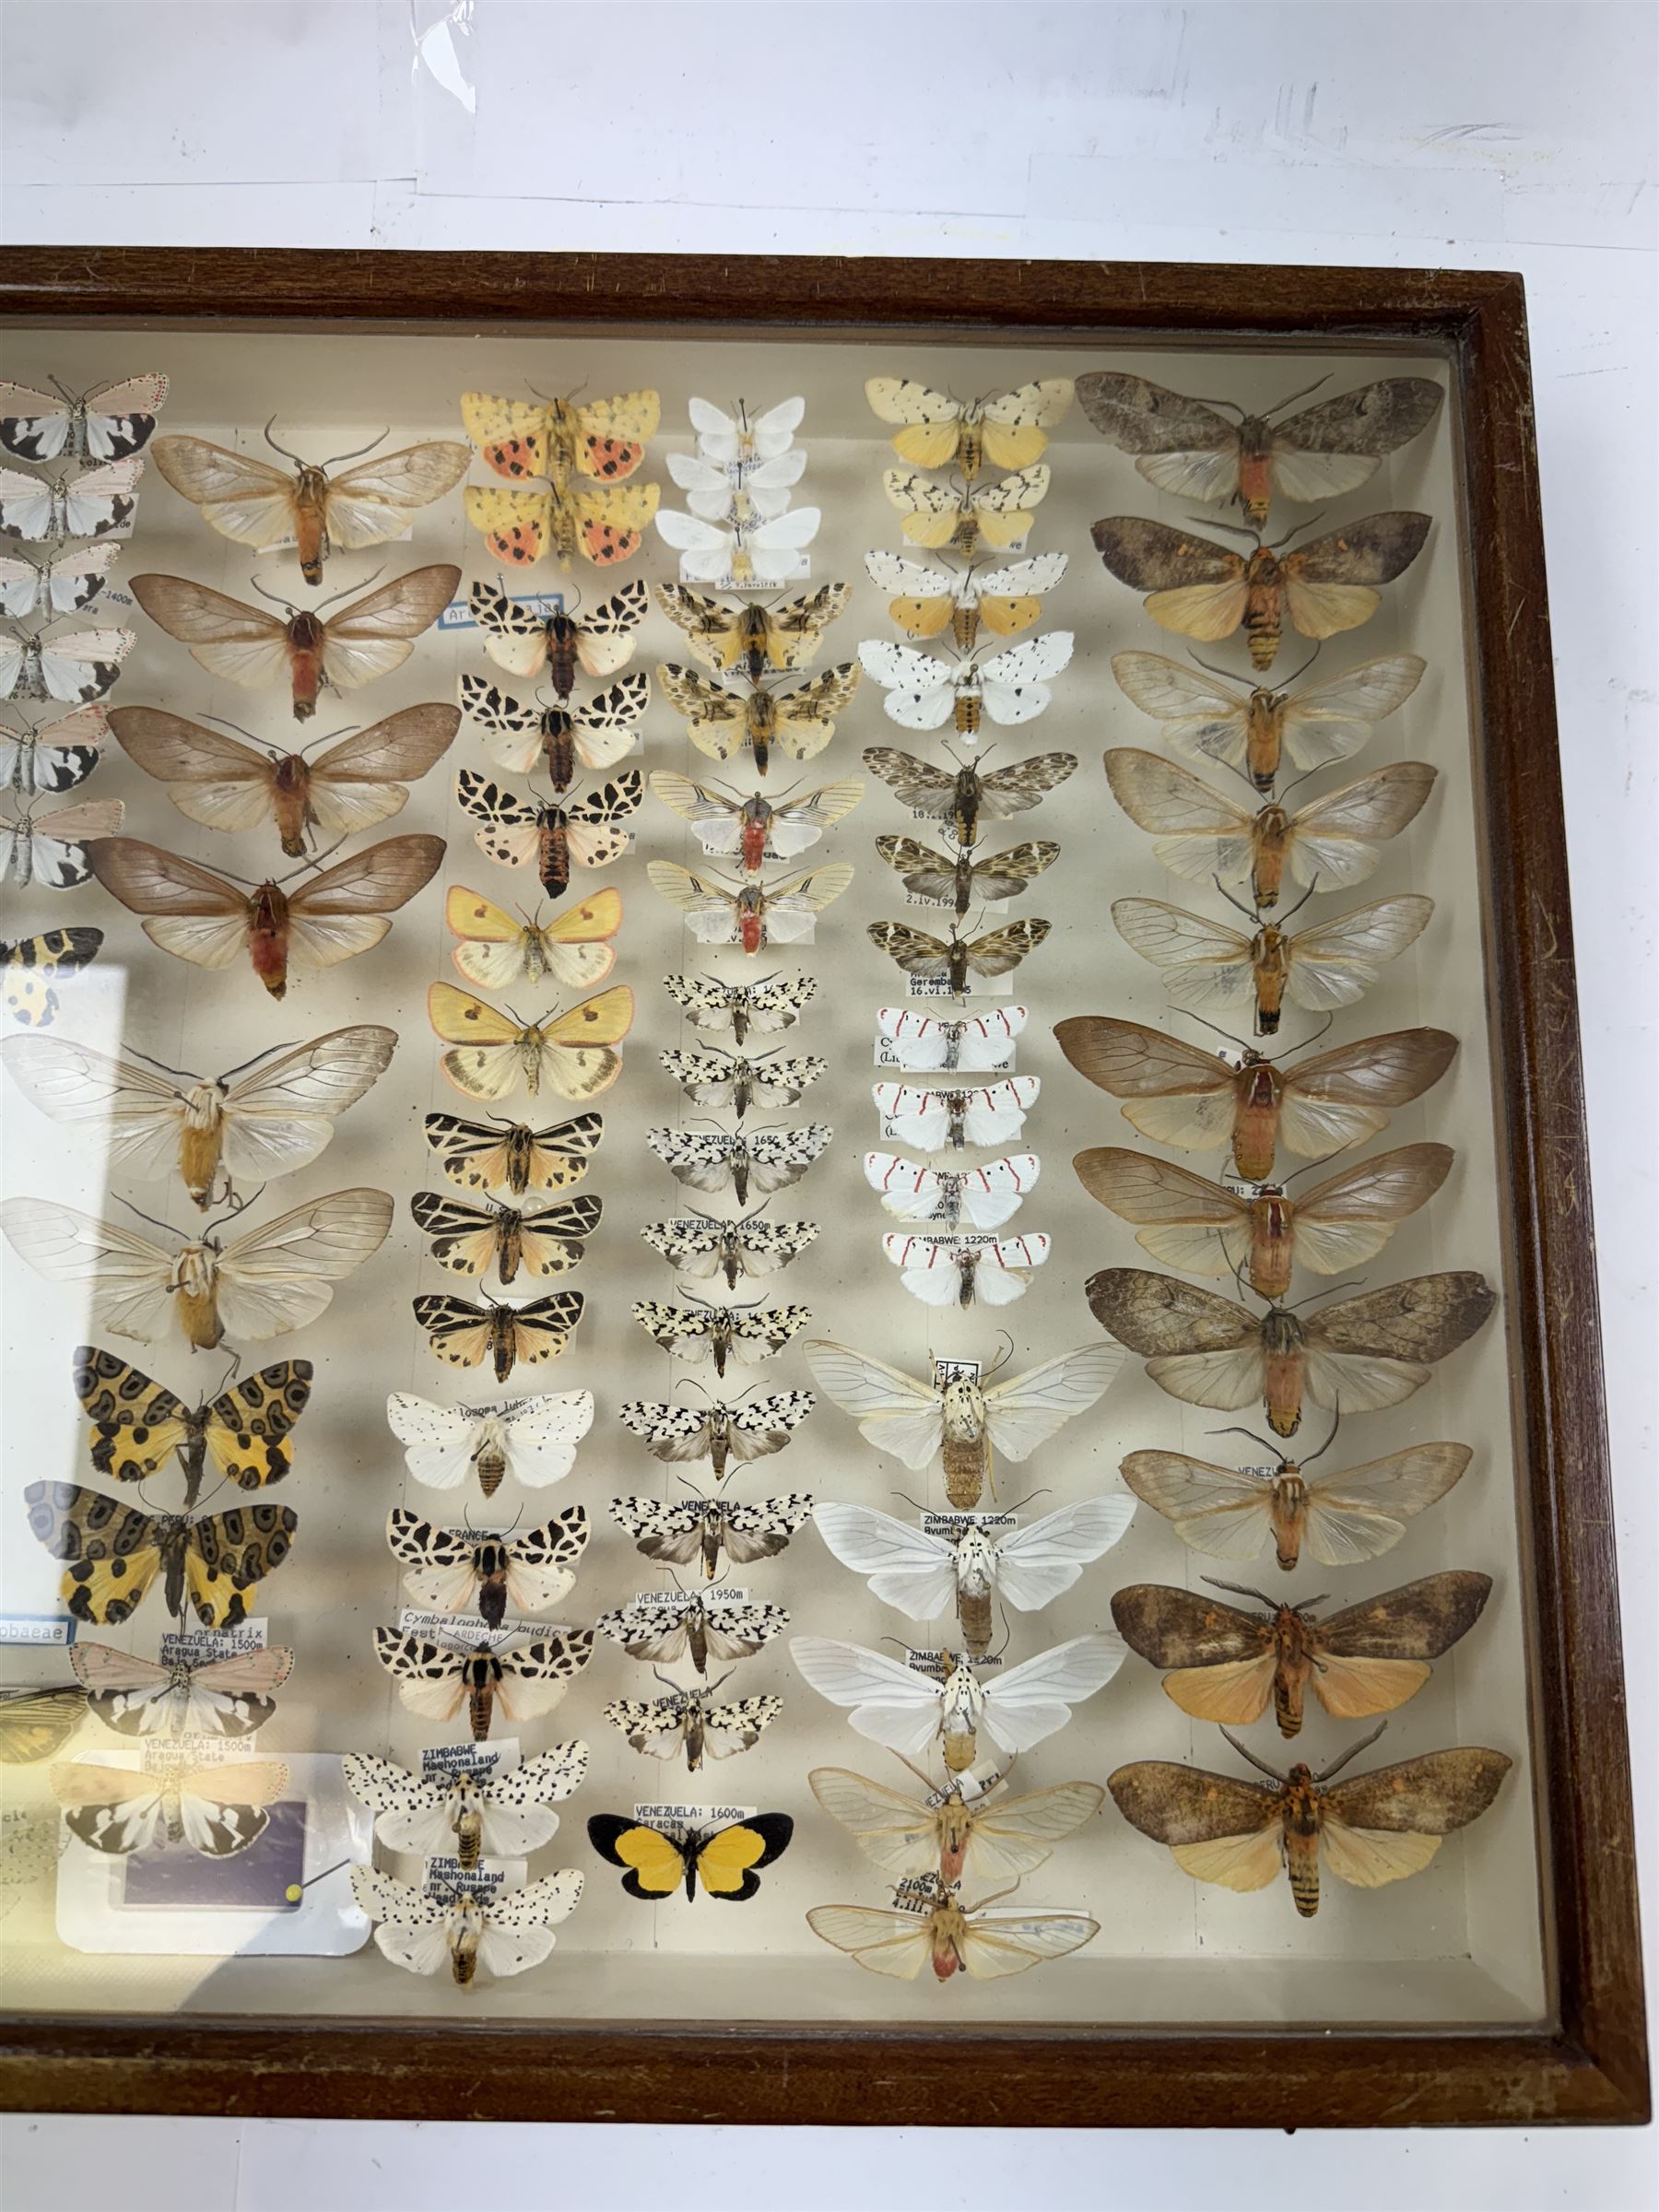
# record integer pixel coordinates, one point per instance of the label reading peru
(446, 1763)
(200, 1647)
(37, 1627)
(674, 1814)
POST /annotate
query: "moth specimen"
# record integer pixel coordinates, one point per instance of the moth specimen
(62, 585)
(727, 1436)
(472, 1812)
(136, 1424)
(55, 756)
(743, 437)
(954, 1197)
(746, 1335)
(1216, 451)
(75, 666)
(962, 1414)
(261, 1284)
(968, 796)
(754, 831)
(30, 966)
(753, 638)
(258, 505)
(947, 1270)
(526, 642)
(969, 1828)
(201, 917)
(97, 503)
(799, 722)
(1254, 731)
(268, 1119)
(464, 1334)
(1342, 1515)
(470, 1240)
(559, 741)
(490, 1053)
(924, 693)
(751, 913)
(959, 881)
(986, 1940)
(907, 1708)
(1191, 1223)
(691, 1720)
(966, 517)
(113, 1554)
(554, 839)
(1178, 1094)
(703, 1529)
(497, 949)
(456, 1571)
(725, 1860)
(962, 1567)
(1207, 591)
(603, 440)
(969, 1042)
(1009, 430)
(1209, 965)
(1228, 1664)
(510, 1156)
(1378, 1828)
(952, 962)
(229, 1697)
(730, 1079)
(758, 550)
(698, 1628)
(534, 1440)
(702, 1245)
(775, 1002)
(107, 423)
(307, 649)
(762, 1161)
(219, 1810)
(216, 780)
(55, 849)
(1328, 844)
(436, 1680)
(930, 601)
(1365, 1352)
(504, 1932)
(989, 1113)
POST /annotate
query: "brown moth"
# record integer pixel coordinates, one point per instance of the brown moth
(1207, 591)
(1191, 448)
(952, 962)
(1369, 1658)
(1366, 1352)
(1192, 1223)
(967, 796)
(959, 881)
(1377, 1829)
(1178, 1094)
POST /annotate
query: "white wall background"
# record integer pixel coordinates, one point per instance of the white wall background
(1385, 132)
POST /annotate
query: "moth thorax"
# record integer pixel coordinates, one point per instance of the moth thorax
(1290, 1509)
(946, 1927)
(696, 1637)
(964, 625)
(974, 1614)
(1264, 736)
(558, 748)
(1291, 1675)
(1264, 606)
(193, 1276)
(304, 633)
(1255, 468)
(466, 1818)
(1255, 1120)
(553, 857)
(311, 516)
(1271, 964)
(750, 642)
(967, 1267)
(1272, 1243)
(1282, 1371)
(489, 1564)
(1267, 870)
(720, 1432)
(503, 1342)
(956, 1829)
(518, 1148)
(968, 710)
(562, 634)
(200, 1139)
(267, 937)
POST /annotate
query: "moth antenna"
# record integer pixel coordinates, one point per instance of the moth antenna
(1306, 1042)
(1248, 912)
(226, 1379)
(276, 599)
(708, 1690)
(996, 1898)
(1230, 406)
(184, 1074)
(349, 589)
(1208, 521)
(1355, 1283)
(236, 1206)
(666, 1680)
(1298, 907)
(1279, 406)
(1279, 798)
(922, 1778)
(357, 455)
(1001, 1357)
(1026, 1501)
(281, 449)
(1245, 1752)
(62, 389)
(224, 723)
(350, 730)
(1276, 1450)
(1300, 673)
(1237, 1043)
(1297, 532)
(1352, 1752)
(166, 1227)
(315, 861)
(1307, 1460)
(1243, 1590)
(915, 1503)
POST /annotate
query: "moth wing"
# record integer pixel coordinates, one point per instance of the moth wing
(1007, 1942)
(894, 1412)
(1334, 447)
(243, 644)
(1199, 832)
(142, 1112)
(376, 634)
(1327, 721)
(1205, 963)
(282, 1115)
(1011, 1836)
(905, 1567)
(1218, 1512)
(1370, 1858)
(1190, 1810)
(1360, 1513)
(880, 1938)
(372, 502)
(1195, 585)
(1336, 840)
(889, 1702)
(1034, 1699)
(1002, 950)
(1035, 1564)
(1181, 1218)
(1432, 1796)
(130, 1275)
(280, 1276)
(899, 1835)
(1331, 963)
(214, 778)
(361, 780)
(1027, 1410)
(1328, 583)
(1179, 444)
(1348, 1218)
(342, 911)
(241, 497)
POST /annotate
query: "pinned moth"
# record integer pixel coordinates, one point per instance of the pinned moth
(510, 1156)
(36, 1725)
(962, 1567)
(470, 1240)
(960, 881)
(951, 963)
(1178, 1094)
(560, 740)
(532, 1440)
(751, 913)
(136, 1425)
(525, 642)
(219, 782)
(61, 586)
(55, 849)
(969, 1828)
(753, 638)
(275, 1117)
(775, 1002)
(961, 1413)
(740, 439)
(730, 1079)
(553, 839)
(495, 950)
(219, 1810)
(922, 693)
(947, 1270)
(229, 1697)
(436, 1680)
(725, 1860)
(987, 1940)
(1376, 1829)
(472, 1812)
(952, 1119)
(744, 1335)
(1228, 1664)
(691, 1720)
(504, 1932)
(606, 525)
(701, 1245)
(754, 831)
(54, 756)
(720, 722)
(953, 1198)
(99, 502)
(458, 1571)
(968, 796)
(1366, 1352)
(1007, 429)
(762, 1161)
(307, 649)
(75, 666)
(262, 1284)
(746, 552)
(965, 517)
(490, 1052)
(970, 1042)
(930, 601)
(113, 1553)
(698, 1628)
(463, 1334)
(108, 422)
(703, 1529)
(30, 966)
(604, 440)
(727, 1436)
